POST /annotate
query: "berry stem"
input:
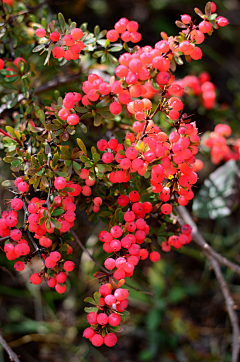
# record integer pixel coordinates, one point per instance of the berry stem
(13, 138)
(87, 252)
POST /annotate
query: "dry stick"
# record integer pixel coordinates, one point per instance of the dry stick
(200, 241)
(87, 252)
(230, 307)
(138, 290)
(99, 265)
(12, 355)
(215, 258)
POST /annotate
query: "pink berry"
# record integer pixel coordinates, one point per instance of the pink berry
(40, 32)
(154, 256)
(60, 183)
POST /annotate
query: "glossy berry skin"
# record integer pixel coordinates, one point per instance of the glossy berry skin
(114, 319)
(102, 319)
(40, 33)
(55, 36)
(88, 332)
(35, 279)
(97, 340)
(110, 340)
(19, 266)
(60, 183)
(154, 256)
(69, 266)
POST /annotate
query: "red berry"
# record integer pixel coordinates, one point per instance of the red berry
(35, 278)
(154, 256)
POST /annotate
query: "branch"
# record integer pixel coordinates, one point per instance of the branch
(185, 218)
(9, 136)
(87, 252)
(138, 290)
(56, 82)
(230, 307)
(12, 355)
(216, 259)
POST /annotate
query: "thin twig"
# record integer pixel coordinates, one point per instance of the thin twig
(230, 307)
(216, 259)
(12, 355)
(138, 290)
(185, 218)
(87, 252)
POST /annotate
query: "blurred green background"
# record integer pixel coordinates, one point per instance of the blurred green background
(185, 320)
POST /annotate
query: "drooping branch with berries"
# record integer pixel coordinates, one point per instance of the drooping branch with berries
(128, 181)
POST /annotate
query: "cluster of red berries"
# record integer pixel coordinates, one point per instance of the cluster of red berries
(200, 86)
(222, 148)
(178, 240)
(124, 240)
(68, 46)
(111, 305)
(126, 30)
(70, 100)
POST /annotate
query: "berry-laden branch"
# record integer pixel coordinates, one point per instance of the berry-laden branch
(12, 355)
(122, 182)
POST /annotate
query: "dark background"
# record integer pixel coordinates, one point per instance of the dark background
(186, 319)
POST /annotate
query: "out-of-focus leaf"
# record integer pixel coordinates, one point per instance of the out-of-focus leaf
(220, 193)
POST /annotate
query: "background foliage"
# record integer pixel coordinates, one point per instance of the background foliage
(185, 319)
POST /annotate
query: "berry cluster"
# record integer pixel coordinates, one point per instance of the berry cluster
(126, 30)
(200, 86)
(111, 302)
(166, 161)
(68, 46)
(222, 147)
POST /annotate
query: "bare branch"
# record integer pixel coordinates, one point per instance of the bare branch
(87, 252)
(56, 82)
(230, 307)
(138, 290)
(12, 355)
(216, 259)
(185, 218)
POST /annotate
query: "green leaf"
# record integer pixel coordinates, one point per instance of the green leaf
(83, 127)
(81, 109)
(180, 24)
(97, 120)
(208, 8)
(96, 297)
(199, 12)
(82, 146)
(178, 60)
(38, 48)
(56, 223)
(8, 183)
(101, 42)
(90, 300)
(96, 157)
(112, 59)
(16, 163)
(57, 212)
(117, 48)
(41, 116)
(98, 53)
(86, 115)
(12, 79)
(61, 22)
(90, 309)
(96, 30)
